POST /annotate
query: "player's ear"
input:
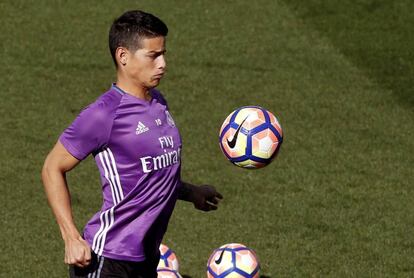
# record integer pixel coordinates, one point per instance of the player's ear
(121, 55)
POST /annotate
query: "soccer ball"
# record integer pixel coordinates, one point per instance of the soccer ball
(233, 260)
(168, 273)
(168, 259)
(251, 137)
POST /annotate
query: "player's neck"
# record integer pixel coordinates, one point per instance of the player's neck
(133, 89)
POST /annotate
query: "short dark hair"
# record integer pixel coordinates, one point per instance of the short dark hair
(131, 27)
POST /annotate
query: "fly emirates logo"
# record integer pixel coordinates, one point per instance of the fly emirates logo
(151, 163)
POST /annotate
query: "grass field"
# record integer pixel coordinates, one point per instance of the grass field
(337, 202)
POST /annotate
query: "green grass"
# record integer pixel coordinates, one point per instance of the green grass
(337, 201)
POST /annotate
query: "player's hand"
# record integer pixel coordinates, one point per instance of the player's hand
(77, 252)
(205, 197)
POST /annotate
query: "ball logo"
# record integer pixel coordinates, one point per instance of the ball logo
(218, 260)
(169, 118)
(232, 142)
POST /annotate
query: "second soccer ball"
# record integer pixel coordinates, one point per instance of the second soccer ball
(168, 258)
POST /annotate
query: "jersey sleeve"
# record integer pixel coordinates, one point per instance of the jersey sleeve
(88, 132)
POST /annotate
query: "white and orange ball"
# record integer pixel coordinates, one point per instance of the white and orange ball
(233, 260)
(168, 273)
(251, 137)
(168, 258)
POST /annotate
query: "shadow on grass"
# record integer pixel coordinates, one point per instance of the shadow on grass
(373, 35)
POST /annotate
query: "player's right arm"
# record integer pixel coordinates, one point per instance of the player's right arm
(57, 163)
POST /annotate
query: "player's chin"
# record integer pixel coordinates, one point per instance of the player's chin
(154, 82)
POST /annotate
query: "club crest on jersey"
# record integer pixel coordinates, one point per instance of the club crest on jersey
(169, 118)
(141, 128)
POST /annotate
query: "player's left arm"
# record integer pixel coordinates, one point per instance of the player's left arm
(204, 197)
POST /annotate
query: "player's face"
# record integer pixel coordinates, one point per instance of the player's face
(146, 66)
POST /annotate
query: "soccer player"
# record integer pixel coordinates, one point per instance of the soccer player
(136, 145)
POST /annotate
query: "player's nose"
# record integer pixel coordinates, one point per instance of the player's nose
(162, 63)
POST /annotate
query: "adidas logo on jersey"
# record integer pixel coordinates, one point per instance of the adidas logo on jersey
(141, 128)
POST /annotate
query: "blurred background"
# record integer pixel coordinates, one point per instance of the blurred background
(338, 200)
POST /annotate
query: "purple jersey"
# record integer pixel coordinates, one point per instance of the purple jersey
(137, 148)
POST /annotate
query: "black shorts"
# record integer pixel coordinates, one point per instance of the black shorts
(101, 267)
